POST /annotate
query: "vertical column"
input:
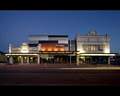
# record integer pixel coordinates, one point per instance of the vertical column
(70, 46)
(38, 59)
(77, 60)
(21, 59)
(27, 59)
(70, 59)
(11, 59)
(109, 61)
(115, 59)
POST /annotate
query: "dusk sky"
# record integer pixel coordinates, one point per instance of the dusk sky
(16, 25)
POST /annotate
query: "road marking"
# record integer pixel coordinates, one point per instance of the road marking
(53, 74)
(106, 68)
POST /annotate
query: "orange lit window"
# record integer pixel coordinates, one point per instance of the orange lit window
(62, 49)
(55, 49)
(52, 47)
(43, 49)
(49, 49)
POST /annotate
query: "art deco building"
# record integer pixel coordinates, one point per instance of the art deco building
(55, 49)
(42, 49)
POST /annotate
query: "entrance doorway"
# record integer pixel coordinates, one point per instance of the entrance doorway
(56, 59)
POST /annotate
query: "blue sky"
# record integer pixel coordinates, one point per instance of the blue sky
(16, 25)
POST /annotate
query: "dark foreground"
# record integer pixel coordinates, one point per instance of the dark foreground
(35, 76)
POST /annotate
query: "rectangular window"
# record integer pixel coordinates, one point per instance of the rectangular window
(85, 47)
(93, 47)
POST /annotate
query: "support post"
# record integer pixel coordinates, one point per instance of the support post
(109, 61)
(70, 59)
(11, 59)
(38, 59)
(27, 59)
(21, 59)
(77, 60)
(115, 59)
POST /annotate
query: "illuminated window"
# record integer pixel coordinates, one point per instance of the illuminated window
(31, 57)
(43, 49)
(25, 57)
(93, 47)
(85, 48)
(49, 49)
(55, 49)
(62, 49)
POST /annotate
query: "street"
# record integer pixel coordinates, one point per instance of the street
(35, 76)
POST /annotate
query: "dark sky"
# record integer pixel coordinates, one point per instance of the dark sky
(16, 25)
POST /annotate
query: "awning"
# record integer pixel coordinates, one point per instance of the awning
(98, 54)
(14, 54)
(58, 52)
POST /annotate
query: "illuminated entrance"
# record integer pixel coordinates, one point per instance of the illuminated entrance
(54, 59)
(97, 58)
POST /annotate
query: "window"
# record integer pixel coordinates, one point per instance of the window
(93, 47)
(85, 47)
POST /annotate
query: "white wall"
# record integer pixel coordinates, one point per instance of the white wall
(93, 40)
(36, 38)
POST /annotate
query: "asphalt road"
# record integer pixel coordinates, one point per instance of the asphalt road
(25, 76)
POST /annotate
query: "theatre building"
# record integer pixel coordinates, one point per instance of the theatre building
(58, 49)
(43, 49)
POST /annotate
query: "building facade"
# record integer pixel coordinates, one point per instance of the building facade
(93, 48)
(55, 49)
(42, 49)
